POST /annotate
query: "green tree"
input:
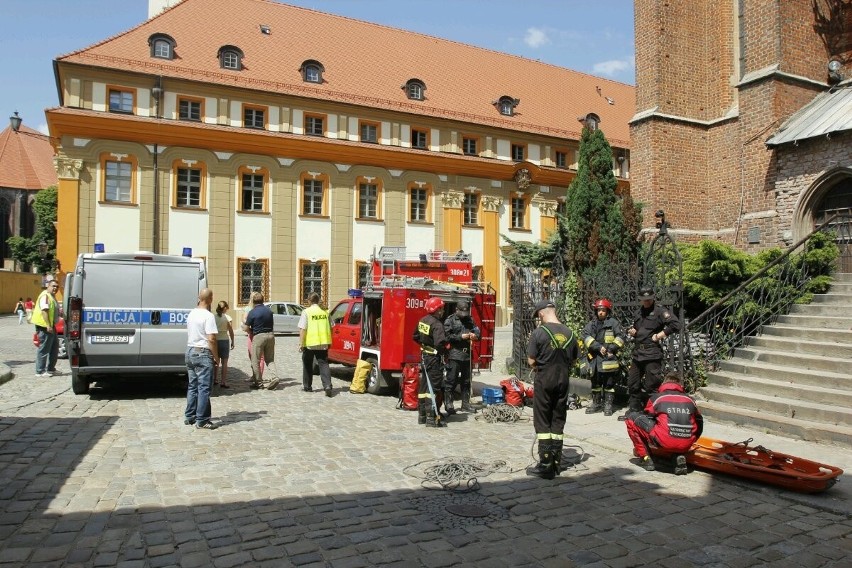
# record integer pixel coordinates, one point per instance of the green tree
(25, 250)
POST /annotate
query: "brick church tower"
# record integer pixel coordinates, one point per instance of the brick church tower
(720, 83)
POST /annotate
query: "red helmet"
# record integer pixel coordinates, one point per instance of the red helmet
(434, 304)
(603, 303)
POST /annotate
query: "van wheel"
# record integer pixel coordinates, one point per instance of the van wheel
(374, 379)
(79, 384)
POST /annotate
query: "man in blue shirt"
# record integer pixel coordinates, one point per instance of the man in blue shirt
(259, 323)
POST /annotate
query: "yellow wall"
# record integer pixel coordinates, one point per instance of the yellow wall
(14, 285)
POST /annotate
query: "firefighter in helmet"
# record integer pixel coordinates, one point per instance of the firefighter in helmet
(433, 346)
(461, 332)
(603, 339)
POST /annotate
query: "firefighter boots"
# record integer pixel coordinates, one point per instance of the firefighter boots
(595, 404)
(421, 409)
(465, 399)
(680, 465)
(448, 402)
(609, 399)
(556, 446)
(544, 467)
(433, 419)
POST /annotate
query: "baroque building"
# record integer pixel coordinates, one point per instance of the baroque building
(743, 130)
(286, 145)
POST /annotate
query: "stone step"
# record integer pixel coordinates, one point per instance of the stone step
(784, 389)
(794, 360)
(791, 345)
(810, 333)
(813, 321)
(762, 422)
(833, 298)
(804, 377)
(780, 407)
(844, 309)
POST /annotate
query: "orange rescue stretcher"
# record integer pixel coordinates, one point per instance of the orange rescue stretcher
(761, 464)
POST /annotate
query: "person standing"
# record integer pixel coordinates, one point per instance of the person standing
(44, 316)
(246, 311)
(28, 307)
(461, 331)
(314, 341)
(432, 338)
(652, 325)
(671, 423)
(20, 310)
(224, 341)
(603, 339)
(201, 356)
(552, 351)
(260, 323)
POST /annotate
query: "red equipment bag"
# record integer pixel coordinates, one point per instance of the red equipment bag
(515, 391)
(410, 387)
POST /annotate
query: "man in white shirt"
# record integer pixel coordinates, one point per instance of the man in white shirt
(201, 355)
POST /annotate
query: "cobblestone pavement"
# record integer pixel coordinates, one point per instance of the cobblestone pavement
(297, 479)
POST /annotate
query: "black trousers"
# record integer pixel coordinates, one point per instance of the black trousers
(550, 400)
(433, 368)
(458, 373)
(643, 378)
(308, 356)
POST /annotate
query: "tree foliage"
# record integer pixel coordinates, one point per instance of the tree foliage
(25, 250)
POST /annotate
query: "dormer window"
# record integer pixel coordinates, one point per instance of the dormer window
(162, 46)
(506, 105)
(415, 89)
(591, 121)
(231, 57)
(312, 71)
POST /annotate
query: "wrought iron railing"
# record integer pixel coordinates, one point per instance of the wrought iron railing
(714, 334)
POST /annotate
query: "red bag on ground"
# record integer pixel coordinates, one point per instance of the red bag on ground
(514, 390)
(409, 387)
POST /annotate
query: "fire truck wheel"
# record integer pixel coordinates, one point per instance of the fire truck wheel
(374, 380)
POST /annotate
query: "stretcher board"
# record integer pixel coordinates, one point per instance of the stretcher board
(760, 464)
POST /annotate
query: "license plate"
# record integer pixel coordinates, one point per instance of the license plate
(110, 339)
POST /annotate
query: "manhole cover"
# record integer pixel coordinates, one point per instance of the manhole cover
(473, 511)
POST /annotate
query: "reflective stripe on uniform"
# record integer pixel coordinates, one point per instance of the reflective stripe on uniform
(544, 435)
(557, 436)
(589, 341)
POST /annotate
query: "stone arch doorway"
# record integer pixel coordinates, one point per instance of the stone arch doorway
(828, 197)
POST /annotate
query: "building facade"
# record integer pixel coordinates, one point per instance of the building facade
(286, 146)
(739, 113)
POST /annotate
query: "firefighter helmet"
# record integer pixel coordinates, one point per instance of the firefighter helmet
(434, 304)
(603, 303)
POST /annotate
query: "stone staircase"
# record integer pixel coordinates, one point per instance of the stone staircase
(795, 379)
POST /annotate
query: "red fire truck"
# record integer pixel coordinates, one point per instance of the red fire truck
(376, 323)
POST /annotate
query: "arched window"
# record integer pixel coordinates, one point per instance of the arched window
(415, 89)
(312, 71)
(506, 105)
(592, 121)
(162, 46)
(230, 57)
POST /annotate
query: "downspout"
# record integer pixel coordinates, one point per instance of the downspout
(157, 91)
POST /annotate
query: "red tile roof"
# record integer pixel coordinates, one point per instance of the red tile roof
(366, 64)
(26, 160)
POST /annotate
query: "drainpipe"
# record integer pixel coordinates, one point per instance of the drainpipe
(157, 91)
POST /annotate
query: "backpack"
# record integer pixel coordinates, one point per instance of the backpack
(409, 387)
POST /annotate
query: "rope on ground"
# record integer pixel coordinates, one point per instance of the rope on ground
(460, 474)
(494, 413)
(567, 462)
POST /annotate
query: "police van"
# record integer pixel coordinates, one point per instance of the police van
(126, 314)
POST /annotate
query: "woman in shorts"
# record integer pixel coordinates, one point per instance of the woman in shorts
(225, 341)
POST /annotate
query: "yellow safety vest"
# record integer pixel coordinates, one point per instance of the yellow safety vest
(318, 331)
(37, 318)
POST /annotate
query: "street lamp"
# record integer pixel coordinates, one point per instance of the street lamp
(15, 121)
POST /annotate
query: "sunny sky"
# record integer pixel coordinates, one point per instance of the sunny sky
(591, 36)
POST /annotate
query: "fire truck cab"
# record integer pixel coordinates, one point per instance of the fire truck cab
(376, 323)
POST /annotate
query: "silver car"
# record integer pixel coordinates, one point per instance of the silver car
(285, 316)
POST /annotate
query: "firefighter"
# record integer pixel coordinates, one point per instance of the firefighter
(652, 325)
(433, 346)
(603, 339)
(461, 332)
(552, 351)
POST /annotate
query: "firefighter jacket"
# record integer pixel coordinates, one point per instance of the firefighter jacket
(672, 419)
(648, 322)
(455, 326)
(431, 336)
(606, 333)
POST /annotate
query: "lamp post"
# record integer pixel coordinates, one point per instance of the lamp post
(15, 121)
(42, 252)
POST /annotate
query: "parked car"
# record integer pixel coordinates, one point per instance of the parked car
(60, 337)
(285, 316)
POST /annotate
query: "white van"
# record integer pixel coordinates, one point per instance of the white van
(126, 314)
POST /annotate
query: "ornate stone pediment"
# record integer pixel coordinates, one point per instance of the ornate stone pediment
(67, 168)
(523, 178)
(452, 199)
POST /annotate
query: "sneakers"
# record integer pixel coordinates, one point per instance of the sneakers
(205, 426)
(680, 465)
(44, 375)
(328, 392)
(272, 384)
(188, 422)
(55, 373)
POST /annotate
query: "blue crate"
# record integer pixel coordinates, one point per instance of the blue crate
(492, 395)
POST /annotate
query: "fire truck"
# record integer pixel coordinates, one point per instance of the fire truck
(376, 323)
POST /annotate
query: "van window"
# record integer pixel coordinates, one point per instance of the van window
(338, 313)
(355, 314)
